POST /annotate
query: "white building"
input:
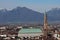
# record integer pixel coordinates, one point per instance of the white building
(30, 32)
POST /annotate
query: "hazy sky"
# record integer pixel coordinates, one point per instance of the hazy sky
(37, 5)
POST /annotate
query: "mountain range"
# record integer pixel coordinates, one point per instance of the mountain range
(26, 15)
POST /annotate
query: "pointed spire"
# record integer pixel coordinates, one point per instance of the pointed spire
(45, 21)
(45, 25)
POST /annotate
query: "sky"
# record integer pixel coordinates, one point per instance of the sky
(37, 5)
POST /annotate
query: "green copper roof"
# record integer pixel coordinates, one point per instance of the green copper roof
(29, 30)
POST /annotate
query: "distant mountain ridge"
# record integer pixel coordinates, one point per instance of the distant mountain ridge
(26, 15)
(54, 15)
(19, 15)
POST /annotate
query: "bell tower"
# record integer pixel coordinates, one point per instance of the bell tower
(47, 31)
(45, 28)
(45, 21)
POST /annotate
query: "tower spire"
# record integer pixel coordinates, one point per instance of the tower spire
(45, 25)
(45, 21)
(47, 30)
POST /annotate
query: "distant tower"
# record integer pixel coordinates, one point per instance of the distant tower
(45, 21)
(45, 25)
(47, 31)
